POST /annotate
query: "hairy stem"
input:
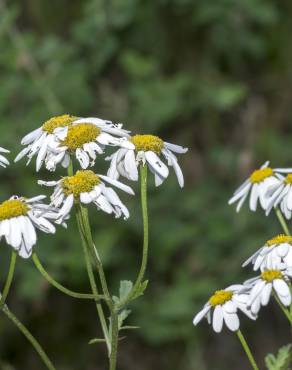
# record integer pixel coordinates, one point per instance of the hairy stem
(9, 278)
(29, 337)
(247, 350)
(282, 221)
(283, 308)
(57, 285)
(114, 340)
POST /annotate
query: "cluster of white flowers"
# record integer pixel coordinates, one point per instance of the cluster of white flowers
(273, 260)
(63, 138)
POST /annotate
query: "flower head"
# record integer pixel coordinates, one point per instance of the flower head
(280, 194)
(3, 161)
(262, 286)
(224, 304)
(19, 217)
(87, 187)
(146, 149)
(256, 187)
(84, 138)
(275, 253)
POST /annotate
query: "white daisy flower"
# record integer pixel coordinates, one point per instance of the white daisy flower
(225, 304)
(87, 187)
(18, 219)
(280, 194)
(256, 187)
(276, 253)
(42, 141)
(262, 286)
(38, 142)
(84, 138)
(145, 149)
(3, 161)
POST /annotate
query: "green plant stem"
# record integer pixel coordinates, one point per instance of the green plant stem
(114, 339)
(92, 279)
(139, 280)
(29, 337)
(9, 278)
(57, 285)
(283, 308)
(247, 350)
(282, 221)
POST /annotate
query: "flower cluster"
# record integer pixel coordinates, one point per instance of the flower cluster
(273, 260)
(59, 141)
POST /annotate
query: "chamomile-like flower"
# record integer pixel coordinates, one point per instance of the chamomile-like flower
(276, 253)
(3, 160)
(19, 217)
(280, 194)
(84, 138)
(225, 305)
(146, 149)
(38, 142)
(262, 286)
(87, 187)
(256, 187)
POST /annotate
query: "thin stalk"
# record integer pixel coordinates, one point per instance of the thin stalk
(282, 221)
(92, 280)
(60, 287)
(283, 308)
(139, 280)
(114, 340)
(247, 350)
(9, 278)
(29, 337)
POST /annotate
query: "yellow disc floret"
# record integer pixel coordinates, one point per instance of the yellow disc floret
(13, 208)
(58, 121)
(279, 239)
(147, 142)
(220, 297)
(82, 182)
(260, 175)
(288, 179)
(271, 275)
(78, 135)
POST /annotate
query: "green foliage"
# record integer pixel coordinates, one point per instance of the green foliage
(211, 75)
(282, 361)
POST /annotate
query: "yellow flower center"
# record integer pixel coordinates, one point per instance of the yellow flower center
(288, 179)
(279, 239)
(220, 297)
(271, 275)
(13, 208)
(78, 135)
(261, 175)
(82, 182)
(58, 121)
(147, 142)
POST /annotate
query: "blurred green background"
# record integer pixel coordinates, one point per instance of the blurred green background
(211, 75)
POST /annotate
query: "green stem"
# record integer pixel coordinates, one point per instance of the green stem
(29, 337)
(283, 308)
(247, 350)
(282, 221)
(114, 340)
(9, 278)
(92, 279)
(139, 280)
(57, 285)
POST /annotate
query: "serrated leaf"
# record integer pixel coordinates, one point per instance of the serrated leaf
(122, 317)
(140, 290)
(125, 288)
(282, 361)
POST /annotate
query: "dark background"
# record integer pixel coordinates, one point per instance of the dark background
(211, 75)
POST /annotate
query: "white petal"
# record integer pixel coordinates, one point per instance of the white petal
(157, 164)
(200, 315)
(218, 319)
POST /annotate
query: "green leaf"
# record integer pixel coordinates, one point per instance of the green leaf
(282, 361)
(96, 340)
(141, 289)
(125, 288)
(122, 317)
(129, 327)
